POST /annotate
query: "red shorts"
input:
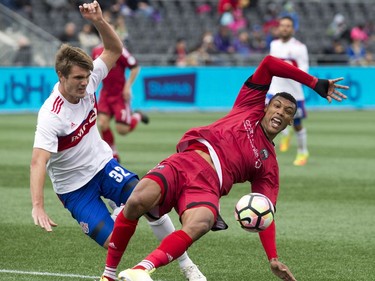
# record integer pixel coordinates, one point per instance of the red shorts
(115, 106)
(186, 181)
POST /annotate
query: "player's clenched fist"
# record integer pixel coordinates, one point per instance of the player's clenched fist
(89, 8)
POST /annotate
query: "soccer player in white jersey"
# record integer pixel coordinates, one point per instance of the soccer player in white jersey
(291, 50)
(68, 145)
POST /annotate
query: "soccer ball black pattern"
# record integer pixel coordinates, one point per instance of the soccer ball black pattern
(254, 212)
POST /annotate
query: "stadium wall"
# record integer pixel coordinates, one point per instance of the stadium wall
(174, 89)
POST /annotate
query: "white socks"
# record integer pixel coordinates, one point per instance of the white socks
(302, 141)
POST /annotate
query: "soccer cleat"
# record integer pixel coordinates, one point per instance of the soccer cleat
(144, 118)
(134, 275)
(192, 273)
(301, 159)
(284, 142)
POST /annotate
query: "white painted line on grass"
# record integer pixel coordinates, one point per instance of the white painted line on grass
(51, 274)
(48, 274)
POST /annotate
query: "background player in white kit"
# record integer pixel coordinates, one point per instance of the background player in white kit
(67, 142)
(291, 50)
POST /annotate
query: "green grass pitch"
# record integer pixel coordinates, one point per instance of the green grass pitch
(325, 213)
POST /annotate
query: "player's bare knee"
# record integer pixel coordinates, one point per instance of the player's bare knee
(122, 129)
(197, 230)
(135, 207)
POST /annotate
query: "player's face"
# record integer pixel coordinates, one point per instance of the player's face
(286, 29)
(73, 86)
(279, 113)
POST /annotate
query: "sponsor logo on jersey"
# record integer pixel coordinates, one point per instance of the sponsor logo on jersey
(264, 154)
(65, 142)
(250, 136)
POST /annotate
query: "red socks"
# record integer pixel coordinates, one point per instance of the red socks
(122, 232)
(107, 136)
(170, 248)
(134, 121)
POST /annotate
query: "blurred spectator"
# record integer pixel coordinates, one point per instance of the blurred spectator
(338, 29)
(258, 43)
(88, 38)
(242, 43)
(223, 40)
(178, 54)
(122, 7)
(358, 33)
(56, 4)
(23, 56)
(226, 5)
(69, 34)
(335, 54)
(121, 29)
(288, 10)
(369, 58)
(356, 52)
(204, 8)
(208, 43)
(271, 23)
(22, 7)
(204, 54)
(135, 8)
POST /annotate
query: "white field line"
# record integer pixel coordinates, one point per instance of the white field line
(51, 274)
(48, 274)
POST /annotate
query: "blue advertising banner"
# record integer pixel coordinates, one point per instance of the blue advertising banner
(25, 89)
(178, 88)
(190, 88)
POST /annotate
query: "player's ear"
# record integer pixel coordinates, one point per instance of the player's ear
(291, 122)
(60, 75)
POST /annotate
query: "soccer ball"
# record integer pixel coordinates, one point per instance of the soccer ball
(254, 212)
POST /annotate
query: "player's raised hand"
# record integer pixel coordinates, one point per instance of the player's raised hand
(91, 11)
(333, 93)
(42, 219)
(281, 270)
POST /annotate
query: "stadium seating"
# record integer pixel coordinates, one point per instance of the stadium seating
(151, 37)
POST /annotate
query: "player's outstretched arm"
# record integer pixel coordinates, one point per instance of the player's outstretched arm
(111, 42)
(281, 270)
(39, 160)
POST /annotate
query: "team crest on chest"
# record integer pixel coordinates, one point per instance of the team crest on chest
(264, 154)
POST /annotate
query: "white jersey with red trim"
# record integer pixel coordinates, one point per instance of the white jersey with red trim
(70, 133)
(294, 52)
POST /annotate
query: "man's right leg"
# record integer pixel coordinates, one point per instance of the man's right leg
(126, 222)
(162, 228)
(195, 223)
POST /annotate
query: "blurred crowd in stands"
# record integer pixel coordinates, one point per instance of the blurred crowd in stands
(233, 34)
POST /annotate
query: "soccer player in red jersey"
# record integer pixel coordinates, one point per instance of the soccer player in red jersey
(209, 160)
(115, 99)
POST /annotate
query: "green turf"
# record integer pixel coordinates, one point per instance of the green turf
(325, 223)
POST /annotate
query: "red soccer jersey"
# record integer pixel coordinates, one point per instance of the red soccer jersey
(244, 152)
(243, 149)
(114, 83)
